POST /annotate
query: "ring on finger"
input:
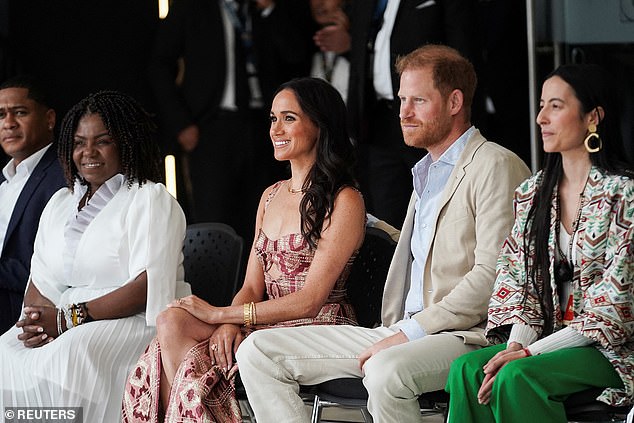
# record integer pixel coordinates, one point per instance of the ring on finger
(214, 347)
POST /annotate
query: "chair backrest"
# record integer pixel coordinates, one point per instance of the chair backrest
(212, 261)
(368, 274)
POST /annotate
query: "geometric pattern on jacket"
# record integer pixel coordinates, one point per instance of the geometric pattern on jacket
(603, 283)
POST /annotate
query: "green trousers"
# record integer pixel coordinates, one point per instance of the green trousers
(530, 389)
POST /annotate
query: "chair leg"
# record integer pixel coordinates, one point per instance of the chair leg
(367, 417)
(249, 410)
(316, 414)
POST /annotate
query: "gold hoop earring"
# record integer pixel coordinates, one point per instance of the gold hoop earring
(593, 134)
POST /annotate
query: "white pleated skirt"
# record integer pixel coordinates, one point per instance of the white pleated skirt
(85, 367)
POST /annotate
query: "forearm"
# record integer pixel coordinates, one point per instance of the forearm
(564, 338)
(290, 307)
(125, 301)
(522, 334)
(34, 297)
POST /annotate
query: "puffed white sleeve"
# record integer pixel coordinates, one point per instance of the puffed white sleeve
(156, 228)
(48, 246)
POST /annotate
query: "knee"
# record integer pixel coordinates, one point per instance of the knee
(252, 349)
(466, 373)
(513, 376)
(464, 365)
(170, 323)
(384, 372)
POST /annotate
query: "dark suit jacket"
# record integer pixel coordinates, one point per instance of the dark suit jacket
(193, 31)
(418, 22)
(15, 262)
(282, 45)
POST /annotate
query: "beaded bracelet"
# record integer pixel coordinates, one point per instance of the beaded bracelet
(68, 315)
(85, 314)
(59, 321)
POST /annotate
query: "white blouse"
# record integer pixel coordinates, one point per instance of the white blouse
(139, 229)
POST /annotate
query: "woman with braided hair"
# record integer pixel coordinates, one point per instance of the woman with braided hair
(107, 259)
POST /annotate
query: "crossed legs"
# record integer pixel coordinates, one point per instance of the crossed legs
(177, 332)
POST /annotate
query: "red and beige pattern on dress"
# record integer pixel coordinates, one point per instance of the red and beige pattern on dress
(202, 392)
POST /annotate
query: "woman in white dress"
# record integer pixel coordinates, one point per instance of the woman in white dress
(108, 258)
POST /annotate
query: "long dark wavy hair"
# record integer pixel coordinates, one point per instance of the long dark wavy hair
(332, 169)
(131, 127)
(593, 88)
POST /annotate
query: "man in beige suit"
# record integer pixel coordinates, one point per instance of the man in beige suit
(442, 272)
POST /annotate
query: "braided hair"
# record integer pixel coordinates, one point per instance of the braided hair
(332, 169)
(130, 126)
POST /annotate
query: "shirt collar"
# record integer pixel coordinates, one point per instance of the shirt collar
(450, 156)
(27, 165)
(111, 186)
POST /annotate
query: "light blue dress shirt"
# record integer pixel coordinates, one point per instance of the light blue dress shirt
(430, 179)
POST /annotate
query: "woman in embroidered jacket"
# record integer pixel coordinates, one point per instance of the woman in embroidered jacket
(108, 258)
(564, 293)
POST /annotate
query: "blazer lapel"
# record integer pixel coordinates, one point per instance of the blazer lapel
(38, 175)
(458, 173)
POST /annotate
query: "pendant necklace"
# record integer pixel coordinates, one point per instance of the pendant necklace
(564, 271)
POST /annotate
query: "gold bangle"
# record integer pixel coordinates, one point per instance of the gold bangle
(246, 308)
(254, 317)
(74, 315)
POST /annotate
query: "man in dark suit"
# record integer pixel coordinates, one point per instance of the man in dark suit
(216, 107)
(380, 31)
(26, 183)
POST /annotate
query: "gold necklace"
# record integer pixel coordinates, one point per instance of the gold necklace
(294, 191)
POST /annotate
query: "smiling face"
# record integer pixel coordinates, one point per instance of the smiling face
(95, 152)
(293, 134)
(425, 115)
(25, 125)
(562, 122)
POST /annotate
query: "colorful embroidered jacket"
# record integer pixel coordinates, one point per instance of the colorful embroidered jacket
(604, 276)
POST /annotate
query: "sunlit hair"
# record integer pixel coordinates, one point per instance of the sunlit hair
(335, 153)
(593, 88)
(450, 71)
(130, 126)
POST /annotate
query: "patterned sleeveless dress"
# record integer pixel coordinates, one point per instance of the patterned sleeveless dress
(286, 261)
(202, 392)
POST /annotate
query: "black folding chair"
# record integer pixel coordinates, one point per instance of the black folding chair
(212, 261)
(365, 292)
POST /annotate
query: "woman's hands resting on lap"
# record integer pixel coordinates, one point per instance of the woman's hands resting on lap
(224, 343)
(198, 308)
(225, 340)
(39, 325)
(491, 369)
(39, 319)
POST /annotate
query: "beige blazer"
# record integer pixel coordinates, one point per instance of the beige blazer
(474, 217)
